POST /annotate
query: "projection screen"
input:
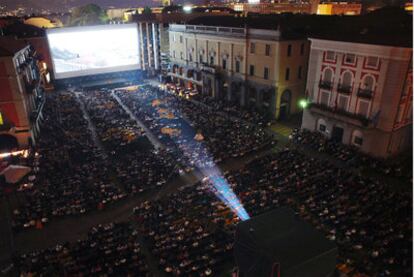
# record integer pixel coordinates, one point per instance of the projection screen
(81, 51)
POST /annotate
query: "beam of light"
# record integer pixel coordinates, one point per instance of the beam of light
(219, 185)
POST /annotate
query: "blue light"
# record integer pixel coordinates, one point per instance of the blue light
(220, 187)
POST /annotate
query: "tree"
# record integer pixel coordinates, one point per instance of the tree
(147, 10)
(90, 14)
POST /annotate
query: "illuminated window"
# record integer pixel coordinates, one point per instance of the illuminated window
(1, 119)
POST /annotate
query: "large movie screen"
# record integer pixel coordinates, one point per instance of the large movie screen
(81, 51)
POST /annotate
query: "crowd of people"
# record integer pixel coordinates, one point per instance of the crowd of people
(190, 232)
(369, 222)
(109, 250)
(67, 167)
(400, 168)
(137, 164)
(203, 136)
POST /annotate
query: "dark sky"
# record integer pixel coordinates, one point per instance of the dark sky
(66, 4)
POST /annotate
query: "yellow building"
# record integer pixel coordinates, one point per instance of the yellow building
(250, 66)
(339, 8)
(42, 22)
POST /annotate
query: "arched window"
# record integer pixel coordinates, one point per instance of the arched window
(327, 75)
(368, 83)
(346, 79)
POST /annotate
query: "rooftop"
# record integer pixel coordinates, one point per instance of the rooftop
(388, 26)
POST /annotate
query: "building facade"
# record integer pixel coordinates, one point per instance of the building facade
(244, 65)
(360, 94)
(339, 8)
(21, 95)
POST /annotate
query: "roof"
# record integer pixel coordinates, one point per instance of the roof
(388, 26)
(280, 237)
(10, 46)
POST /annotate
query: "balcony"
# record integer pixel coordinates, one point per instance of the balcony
(325, 85)
(365, 93)
(339, 114)
(344, 89)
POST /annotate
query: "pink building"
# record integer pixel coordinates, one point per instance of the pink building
(360, 93)
(21, 97)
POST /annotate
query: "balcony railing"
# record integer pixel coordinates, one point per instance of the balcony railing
(337, 111)
(344, 89)
(325, 85)
(365, 93)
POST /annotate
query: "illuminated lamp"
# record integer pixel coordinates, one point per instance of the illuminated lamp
(187, 8)
(303, 103)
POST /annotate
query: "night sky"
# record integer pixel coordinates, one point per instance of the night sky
(64, 5)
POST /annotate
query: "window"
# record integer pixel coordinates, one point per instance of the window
(289, 50)
(363, 108)
(174, 54)
(266, 73)
(327, 75)
(251, 71)
(252, 48)
(174, 38)
(330, 56)
(190, 57)
(267, 50)
(346, 80)
(302, 49)
(1, 119)
(300, 72)
(350, 59)
(372, 62)
(322, 127)
(211, 59)
(368, 83)
(237, 66)
(224, 63)
(358, 141)
(181, 39)
(201, 58)
(343, 103)
(324, 98)
(287, 73)
(181, 55)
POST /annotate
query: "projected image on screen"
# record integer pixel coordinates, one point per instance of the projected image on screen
(84, 51)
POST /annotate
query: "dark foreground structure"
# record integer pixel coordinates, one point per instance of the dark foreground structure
(279, 243)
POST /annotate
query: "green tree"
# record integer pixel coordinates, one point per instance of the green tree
(147, 10)
(90, 14)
